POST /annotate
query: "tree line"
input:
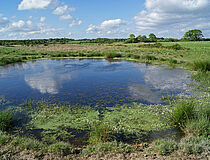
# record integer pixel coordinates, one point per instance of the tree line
(191, 35)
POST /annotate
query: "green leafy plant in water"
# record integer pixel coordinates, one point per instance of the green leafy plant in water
(55, 117)
(136, 118)
(51, 136)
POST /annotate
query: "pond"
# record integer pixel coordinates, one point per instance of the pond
(90, 82)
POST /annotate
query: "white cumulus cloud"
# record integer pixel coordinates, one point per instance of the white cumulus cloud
(27, 29)
(18, 24)
(35, 4)
(75, 23)
(173, 16)
(63, 9)
(3, 21)
(65, 17)
(107, 27)
(42, 19)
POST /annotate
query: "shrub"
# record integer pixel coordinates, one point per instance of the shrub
(113, 55)
(9, 60)
(136, 56)
(6, 120)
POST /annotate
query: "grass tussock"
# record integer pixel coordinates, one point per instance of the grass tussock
(182, 112)
(201, 65)
(191, 117)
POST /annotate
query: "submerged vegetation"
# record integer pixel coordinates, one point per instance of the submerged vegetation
(79, 131)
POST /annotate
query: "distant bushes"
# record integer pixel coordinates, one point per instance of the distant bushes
(159, 45)
(9, 60)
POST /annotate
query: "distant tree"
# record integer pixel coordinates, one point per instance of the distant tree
(143, 38)
(152, 37)
(193, 35)
(132, 36)
(132, 39)
(138, 37)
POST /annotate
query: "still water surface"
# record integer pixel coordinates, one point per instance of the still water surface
(90, 82)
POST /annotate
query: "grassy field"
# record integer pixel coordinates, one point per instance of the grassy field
(182, 54)
(45, 131)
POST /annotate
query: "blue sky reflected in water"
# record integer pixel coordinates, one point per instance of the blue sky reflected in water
(90, 82)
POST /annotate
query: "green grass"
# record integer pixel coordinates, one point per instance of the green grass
(165, 147)
(113, 147)
(60, 148)
(4, 138)
(6, 120)
(202, 66)
(182, 112)
(100, 133)
(194, 145)
(188, 145)
(181, 54)
(109, 130)
(191, 116)
(27, 143)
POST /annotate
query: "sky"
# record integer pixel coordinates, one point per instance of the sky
(34, 19)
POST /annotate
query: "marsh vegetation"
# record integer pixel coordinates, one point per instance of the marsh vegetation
(70, 131)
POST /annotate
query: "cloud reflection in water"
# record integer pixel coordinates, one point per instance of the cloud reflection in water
(160, 79)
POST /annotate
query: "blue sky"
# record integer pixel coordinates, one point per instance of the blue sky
(28, 19)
